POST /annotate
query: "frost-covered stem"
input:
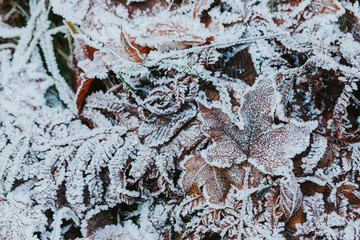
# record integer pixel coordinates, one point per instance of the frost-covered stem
(26, 37)
(66, 94)
(356, 101)
(22, 147)
(63, 213)
(7, 45)
(78, 141)
(9, 32)
(4, 67)
(184, 52)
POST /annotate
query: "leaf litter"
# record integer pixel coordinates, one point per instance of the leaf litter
(181, 119)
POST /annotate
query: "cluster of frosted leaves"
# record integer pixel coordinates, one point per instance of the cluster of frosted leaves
(194, 119)
(257, 149)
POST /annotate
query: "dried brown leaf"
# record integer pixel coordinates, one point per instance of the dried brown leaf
(290, 197)
(128, 49)
(83, 91)
(304, 13)
(175, 34)
(201, 5)
(216, 181)
(98, 221)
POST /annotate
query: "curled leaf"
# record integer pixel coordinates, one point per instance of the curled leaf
(130, 50)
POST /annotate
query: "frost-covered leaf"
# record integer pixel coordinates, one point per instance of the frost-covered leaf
(178, 32)
(266, 145)
(240, 66)
(216, 181)
(350, 21)
(161, 165)
(317, 151)
(129, 232)
(290, 197)
(318, 222)
(128, 49)
(201, 5)
(171, 95)
(163, 129)
(306, 11)
(83, 91)
(229, 140)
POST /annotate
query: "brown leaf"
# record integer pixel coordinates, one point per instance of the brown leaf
(303, 14)
(83, 91)
(310, 188)
(229, 140)
(290, 198)
(175, 34)
(201, 5)
(130, 50)
(82, 50)
(98, 221)
(299, 218)
(239, 66)
(285, 201)
(351, 23)
(80, 83)
(216, 181)
(267, 146)
(212, 93)
(349, 190)
(112, 54)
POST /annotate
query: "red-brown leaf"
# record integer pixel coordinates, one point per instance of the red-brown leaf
(216, 181)
(201, 5)
(82, 91)
(130, 50)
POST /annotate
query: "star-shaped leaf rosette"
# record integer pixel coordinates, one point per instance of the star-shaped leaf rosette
(267, 146)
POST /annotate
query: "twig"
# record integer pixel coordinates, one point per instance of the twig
(177, 53)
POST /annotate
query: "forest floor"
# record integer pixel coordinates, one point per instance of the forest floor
(179, 119)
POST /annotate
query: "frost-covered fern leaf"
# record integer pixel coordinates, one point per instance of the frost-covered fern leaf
(171, 94)
(234, 217)
(317, 151)
(161, 165)
(118, 165)
(355, 156)
(163, 129)
(107, 109)
(341, 122)
(319, 223)
(92, 164)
